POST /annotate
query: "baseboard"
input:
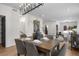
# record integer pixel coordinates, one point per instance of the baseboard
(10, 45)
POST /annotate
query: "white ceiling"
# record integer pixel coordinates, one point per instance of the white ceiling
(54, 11)
(13, 5)
(57, 11)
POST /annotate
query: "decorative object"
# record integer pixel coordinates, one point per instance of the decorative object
(27, 7)
(36, 25)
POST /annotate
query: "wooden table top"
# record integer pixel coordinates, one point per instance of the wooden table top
(47, 46)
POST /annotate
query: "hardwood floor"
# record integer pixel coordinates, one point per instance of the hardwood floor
(67, 51)
(73, 52)
(11, 51)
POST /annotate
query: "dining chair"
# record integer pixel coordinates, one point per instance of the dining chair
(21, 50)
(31, 49)
(53, 52)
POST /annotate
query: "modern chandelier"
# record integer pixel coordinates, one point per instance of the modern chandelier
(27, 7)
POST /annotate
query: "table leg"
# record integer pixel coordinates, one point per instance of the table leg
(58, 47)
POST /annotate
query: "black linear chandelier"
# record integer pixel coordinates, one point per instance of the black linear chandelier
(27, 7)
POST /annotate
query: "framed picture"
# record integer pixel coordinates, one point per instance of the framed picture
(36, 25)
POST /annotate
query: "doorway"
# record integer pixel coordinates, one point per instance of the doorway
(2, 31)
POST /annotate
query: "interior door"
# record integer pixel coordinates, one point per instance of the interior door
(3, 31)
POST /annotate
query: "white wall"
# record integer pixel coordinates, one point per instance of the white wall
(28, 24)
(77, 27)
(12, 24)
(51, 27)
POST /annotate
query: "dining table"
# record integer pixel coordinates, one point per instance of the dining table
(47, 46)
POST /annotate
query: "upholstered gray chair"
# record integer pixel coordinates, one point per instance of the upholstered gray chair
(53, 52)
(31, 49)
(21, 50)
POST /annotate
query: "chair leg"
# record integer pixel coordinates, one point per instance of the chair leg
(18, 54)
(25, 54)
